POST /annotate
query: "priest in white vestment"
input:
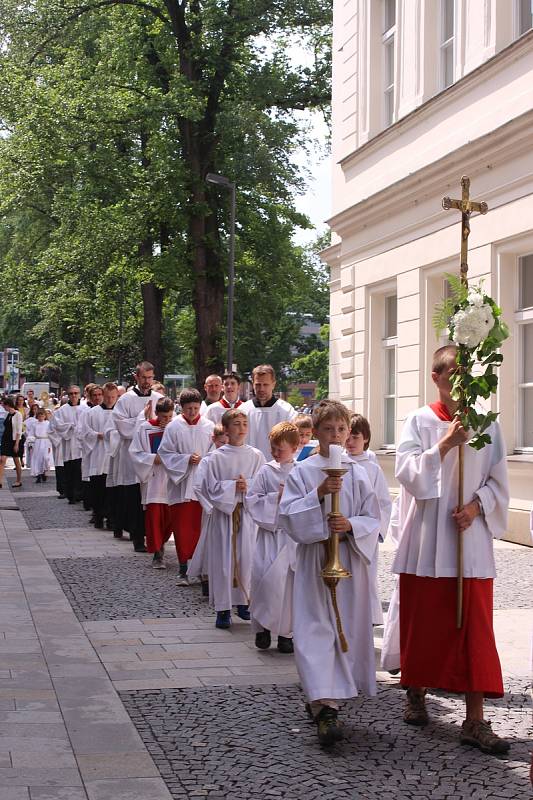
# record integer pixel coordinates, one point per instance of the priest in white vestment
(265, 409)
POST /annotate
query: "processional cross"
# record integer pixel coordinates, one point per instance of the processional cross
(466, 207)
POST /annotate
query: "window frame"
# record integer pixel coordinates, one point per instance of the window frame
(388, 41)
(518, 19)
(445, 45)
(389, 343)
(523, 317)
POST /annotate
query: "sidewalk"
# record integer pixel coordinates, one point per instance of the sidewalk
(118, 686)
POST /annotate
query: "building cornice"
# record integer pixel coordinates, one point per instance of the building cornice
(479, 75)
(484, 153)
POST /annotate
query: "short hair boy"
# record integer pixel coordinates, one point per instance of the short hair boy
(327, 673)
(304, 423)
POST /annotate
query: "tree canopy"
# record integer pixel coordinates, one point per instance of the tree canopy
(112, 112)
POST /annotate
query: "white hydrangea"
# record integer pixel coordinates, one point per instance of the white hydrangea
(472, 324)
(475, 297)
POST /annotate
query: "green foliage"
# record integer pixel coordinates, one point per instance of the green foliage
(444, 311)
(296, 398)
(314, 366)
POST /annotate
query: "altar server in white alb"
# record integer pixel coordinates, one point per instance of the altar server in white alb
(154, 479)
(327, 673)
(94, 397)
(185, 442)
(230, 398)
(357, 445)
(199, 564)
(121, 478)
(265, 409)
(97, 423)
(275, 552)
(66, 423)
(41, 448)
(57, 455)
(233, 532)
(434, 652)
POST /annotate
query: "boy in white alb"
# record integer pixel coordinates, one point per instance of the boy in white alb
(265, 409)
(97, 422)
(328, 673)
(357, 448)
(230, 399)
(199, 566)
(231, 541)
(275, 552)
(435, 653)
(185, 442)
(41, 449)
(154, 479)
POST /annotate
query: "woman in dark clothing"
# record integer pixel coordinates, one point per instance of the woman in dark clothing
(9, 447)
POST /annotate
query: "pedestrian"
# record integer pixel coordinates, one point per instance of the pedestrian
(10, 444)
(185, 442)
(265, 409)
(231, 383)
(275, 552)
(330, 673)
(213, 392)
(22, 408)
(233, 532)
(435, 653)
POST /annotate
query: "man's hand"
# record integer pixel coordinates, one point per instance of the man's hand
(99, 435)
(329, 486)
(339, 524)
(194, 459)
(454, 436)
(240, 484)
(157, 459)
(464, 518)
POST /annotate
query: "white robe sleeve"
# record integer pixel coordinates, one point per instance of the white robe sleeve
(222, 494)
(385, 503)
(141, 457)
(124, 424)
(300, 511)
(177, 465)
(263, 504)
(417, 469)
(494, 494)
(366, 524)
(198, 486)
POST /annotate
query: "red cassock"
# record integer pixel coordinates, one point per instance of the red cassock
(186, 523)
(434, 652)
(158, 526)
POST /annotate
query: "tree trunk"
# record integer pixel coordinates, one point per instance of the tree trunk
(153, 327)
(87, 372)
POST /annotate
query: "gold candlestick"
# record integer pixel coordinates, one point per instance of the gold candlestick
(333, 570)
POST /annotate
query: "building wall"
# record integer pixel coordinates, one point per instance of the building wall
(391, 237)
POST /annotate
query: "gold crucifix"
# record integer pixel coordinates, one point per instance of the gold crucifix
(466, 207)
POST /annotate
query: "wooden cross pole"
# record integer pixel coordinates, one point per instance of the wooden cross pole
(466, 207)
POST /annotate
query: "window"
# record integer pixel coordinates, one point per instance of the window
(389, 363)
(525, 16)
(389, 31)
(524, 318)
(447, 39)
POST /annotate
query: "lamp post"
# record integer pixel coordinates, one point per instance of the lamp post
(220, 180)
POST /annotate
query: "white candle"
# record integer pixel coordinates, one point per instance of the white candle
(335, 453)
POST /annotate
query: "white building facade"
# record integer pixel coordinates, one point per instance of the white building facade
(425, 91)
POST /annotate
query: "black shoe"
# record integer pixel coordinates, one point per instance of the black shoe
(205, 588)
(86, 506)
(140, 548)
(223, 619)
(109, 525)
(38, 479)
(98, 523)
(263, 639)
(45, 478)
(61, 496)
(71, 501)
(92, 519)
(243, 613)
(183, 569)
(329, 729)
(285, 644)
(118, 534)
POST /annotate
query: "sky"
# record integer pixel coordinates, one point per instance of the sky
(316, 202)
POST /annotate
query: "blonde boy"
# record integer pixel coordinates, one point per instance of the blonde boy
(329, 675)
(307, 444)
(233, 531)
(275, 552)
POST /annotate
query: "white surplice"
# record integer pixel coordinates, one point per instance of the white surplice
(223, 469)
(379, 485)
(324, 670)
(98, 420)
(118, 439)
(56, 442)
(428, 537)
(275, 554)
(199, 563)
(180, 441)
(261, 420)
(390, 648)
(66, 425)
(152, 477)
(216, 411)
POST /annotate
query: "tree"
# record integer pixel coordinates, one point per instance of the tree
(114, 112)
(314, 366)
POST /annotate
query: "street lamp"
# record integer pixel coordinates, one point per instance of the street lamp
(220, 180)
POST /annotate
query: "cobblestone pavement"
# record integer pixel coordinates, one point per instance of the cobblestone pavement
(258, 743)
(109, 588)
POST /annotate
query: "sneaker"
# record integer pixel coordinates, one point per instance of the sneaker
(157, 561)
(263, 640)
(193, 580)
(243, 613)
(285, 644)
(223, 619)
(415, 707)
(205, 588)
(329, 730)
(479, 733)
(182, 580)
